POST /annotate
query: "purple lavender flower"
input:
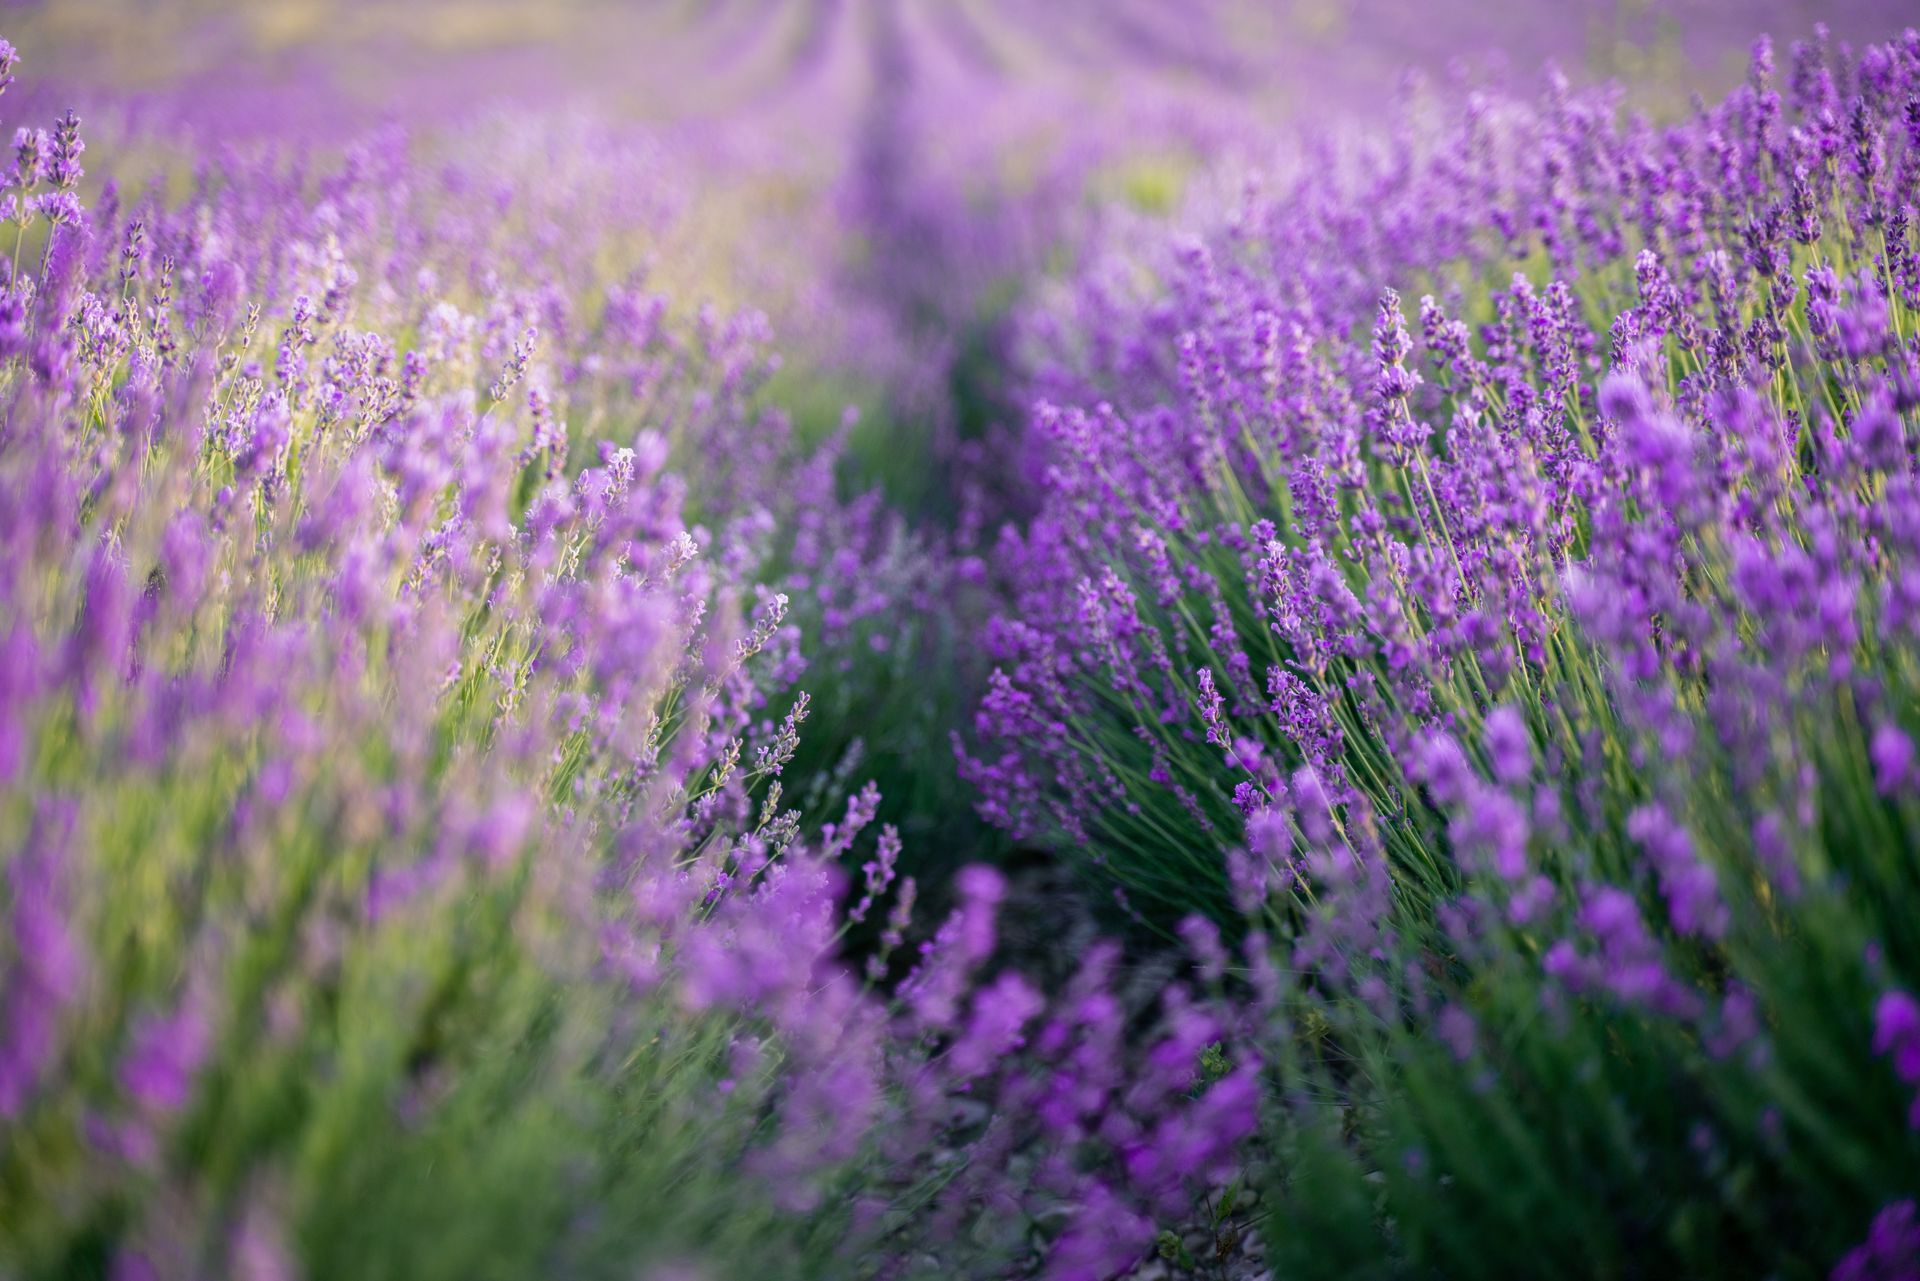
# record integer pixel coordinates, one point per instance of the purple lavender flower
(166, 1054)
(1509, 746)
(46, 965)
(63, 160)
(1891, 1251)
(1687, 882)
(1896, 1033)
(1892, 754)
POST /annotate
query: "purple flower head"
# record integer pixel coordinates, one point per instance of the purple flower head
(1655, 441)
(1896, 1032)
(30, 153)
(1444, 769)
(1880, 435)
(1687, 882)
(1456, 1030)
(47, 967)
(1493, 825)
(1509, 746)
(1001, 1012)
(165, 1056)
(1627, 960)
(878, 872)
(1892, 755)
(1891, 1251)
(63, 161)
(1393, 381)
(1212, 708)
(1313, 807)
(61, 208)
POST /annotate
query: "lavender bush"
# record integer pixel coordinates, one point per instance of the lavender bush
(1527, 673)
(404, 875)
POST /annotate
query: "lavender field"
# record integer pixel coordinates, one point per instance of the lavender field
(911, 639)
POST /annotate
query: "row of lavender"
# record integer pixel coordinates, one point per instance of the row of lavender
(438, 680)
(1529, 678)
(407, 619)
